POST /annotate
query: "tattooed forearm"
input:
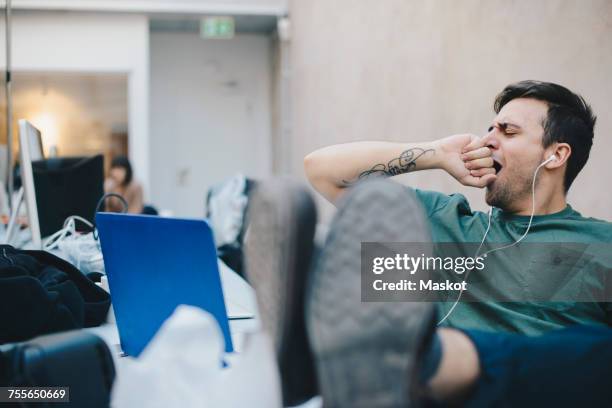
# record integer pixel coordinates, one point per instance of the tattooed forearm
(405, 163)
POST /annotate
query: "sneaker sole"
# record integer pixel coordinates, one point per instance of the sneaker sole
(365, 352)
(279, 247)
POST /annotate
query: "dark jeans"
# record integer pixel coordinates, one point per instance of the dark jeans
(571, 367)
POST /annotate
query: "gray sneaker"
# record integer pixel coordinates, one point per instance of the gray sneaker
(279, 245)
(366, 353)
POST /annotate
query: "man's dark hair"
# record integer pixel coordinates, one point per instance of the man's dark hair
(569, 120)
(124, 163)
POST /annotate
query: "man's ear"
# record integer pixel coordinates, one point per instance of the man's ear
(562, 152)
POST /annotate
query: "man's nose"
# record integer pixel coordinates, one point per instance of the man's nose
(491, 141)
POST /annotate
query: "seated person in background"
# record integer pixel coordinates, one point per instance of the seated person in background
(121, 181)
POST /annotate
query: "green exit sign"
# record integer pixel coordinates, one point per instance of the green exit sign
(217, 27)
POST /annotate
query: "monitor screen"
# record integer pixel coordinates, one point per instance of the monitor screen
(30, 148)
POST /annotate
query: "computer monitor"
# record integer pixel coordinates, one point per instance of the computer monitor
(64, 186)
(3, 164)
(30, 149)
(67, 186)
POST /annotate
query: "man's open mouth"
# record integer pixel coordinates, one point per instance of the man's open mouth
(497, 166)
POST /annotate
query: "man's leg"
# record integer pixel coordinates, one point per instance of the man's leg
(456, 369)
(364, 352)
(563, 368)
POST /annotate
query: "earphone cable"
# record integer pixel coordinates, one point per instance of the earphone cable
(533, 182)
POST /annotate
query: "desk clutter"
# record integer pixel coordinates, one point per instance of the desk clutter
(41, 294)
(167, 332)
(189, 342)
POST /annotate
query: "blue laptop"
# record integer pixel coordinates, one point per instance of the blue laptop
(153, 265)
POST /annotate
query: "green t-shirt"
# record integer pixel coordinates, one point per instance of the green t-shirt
(452, 220)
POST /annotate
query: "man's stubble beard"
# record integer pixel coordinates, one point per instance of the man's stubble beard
(505, 194)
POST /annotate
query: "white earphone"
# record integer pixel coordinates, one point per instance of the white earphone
(552, 157)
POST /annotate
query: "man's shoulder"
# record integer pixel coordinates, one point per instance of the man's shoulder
(598, 221)
(587, 229)
(435, 201)
(593, 221)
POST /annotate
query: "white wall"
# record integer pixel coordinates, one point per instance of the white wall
(210, 115)
(83, 42)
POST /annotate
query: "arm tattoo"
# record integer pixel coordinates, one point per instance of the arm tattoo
(405, 163)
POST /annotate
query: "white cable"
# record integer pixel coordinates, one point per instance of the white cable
(532, 211)
(535, 174)
(80, 249)
(469, 270)
(69, 228)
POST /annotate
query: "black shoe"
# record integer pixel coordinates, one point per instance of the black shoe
(279, 245)
(365, 353)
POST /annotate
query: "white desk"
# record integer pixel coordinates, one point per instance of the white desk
(238, 329)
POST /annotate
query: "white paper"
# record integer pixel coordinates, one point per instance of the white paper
(181, 367)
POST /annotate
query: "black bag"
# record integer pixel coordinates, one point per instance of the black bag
(78, 360)
(41, 293)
